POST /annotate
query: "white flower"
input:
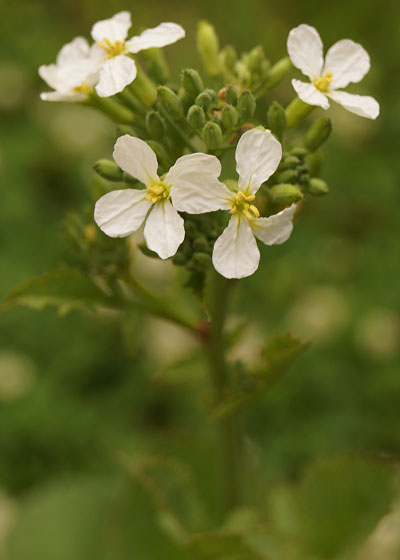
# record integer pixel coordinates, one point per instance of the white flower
(120, 213)
(73, 75)
(236, 254)
(345, 62)
(118, 69)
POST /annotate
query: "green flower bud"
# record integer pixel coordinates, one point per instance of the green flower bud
(204, 100)
(208, 47)
(232, 94)
(318, 133)
(227, 59)
(287, 176)
(212, 93)
(317, 187)
(108, 170)
(190, 228)
(314, 162)
(212, 135)
(278, 71)
(229, 117)
(246, 105)
(155, 125)
(201, 262)
(290, 162)
(196, 117)
(162, 156)
(200, 243)
(170, 102)
(285, 194)
(299, 152)
(255, 59)
(304, 178)
(276, 119)
(179, 259)
(157, 65)
(192, 82)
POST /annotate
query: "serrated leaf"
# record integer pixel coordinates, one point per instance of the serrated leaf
(65, 288)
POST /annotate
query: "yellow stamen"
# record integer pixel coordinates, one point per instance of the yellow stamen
(84, 88)
(322, 84)
(241, 204)
(112, 49)
(157, 192)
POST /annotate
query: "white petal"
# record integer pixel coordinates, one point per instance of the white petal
(305, 50)
(348, 61)
(258, 154)
(50, 74)
(59, 96)
(136, 158)
(164, 230)
(120, 213)
(236, 254)
(65, 78)
(115, 74)
(113, 29)
(275, 229)
(195, 185)
(362, 105)
(74, 51)
(160, 36)
(309, 94)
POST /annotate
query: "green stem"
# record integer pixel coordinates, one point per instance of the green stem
(296, 112)
(143, 88)
(179, 131)
(112, 109)
(228, 429)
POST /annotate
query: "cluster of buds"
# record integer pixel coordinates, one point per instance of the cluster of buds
(177, 145)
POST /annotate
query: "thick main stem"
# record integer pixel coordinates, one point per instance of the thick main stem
(229, 441)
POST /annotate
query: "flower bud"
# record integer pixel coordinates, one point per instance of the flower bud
(276, 119)
(227, 59)
(155, 125)
(170, 102)
(208, 47)
(192, 82)
(162, 156)
(212, 93)
(317, 187)
(290, 162)
(287, 176)
(203, 100)
(200, 243)
(179, 259)
(200, 261)
(246, 105)
(285, 194)
(157, 65)
(212, 135)
(229, 117)
(108, 170)
(232, 94)
(299, 152)
(314, 162)
(318, 133)
(255, 59)
(196, 117)
(277, 72)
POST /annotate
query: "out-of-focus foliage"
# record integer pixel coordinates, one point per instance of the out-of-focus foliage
(78, 394)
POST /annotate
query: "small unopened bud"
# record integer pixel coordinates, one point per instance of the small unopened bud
(108, 170)
(201, 261)
(212, 93)
(314, 162)
(276, 119)
(246, 105)
(318, 133)
(200, 243)
(170, 102)
(317, 187)
(228, 58)
(155, 125)
(290, 162)
(179, 259)
(287, 176)
(159, 150)
(157, 65)
(299, 152)
(278, 71)
(229, 117)
(208, 47)
(212, 135)
(204, 100)
(192, 82)
(285, 194)
(196, 117)
(255, 59)
(232, 94)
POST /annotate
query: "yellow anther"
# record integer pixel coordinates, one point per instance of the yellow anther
(254, 210)
(157, 192)
(322, 84)
(241, 204)
(112, 49)
(84, 88)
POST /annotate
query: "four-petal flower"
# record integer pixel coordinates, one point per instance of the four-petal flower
(235, 253)
(345, 62)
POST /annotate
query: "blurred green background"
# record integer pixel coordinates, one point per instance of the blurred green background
(77, 392)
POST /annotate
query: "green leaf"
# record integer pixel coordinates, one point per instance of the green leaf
(65, 288)
(280, 352)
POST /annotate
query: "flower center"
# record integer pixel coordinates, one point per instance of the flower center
(322, 84)
(112, 49)
(84, 88)
(157, 192)
(240, 204)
